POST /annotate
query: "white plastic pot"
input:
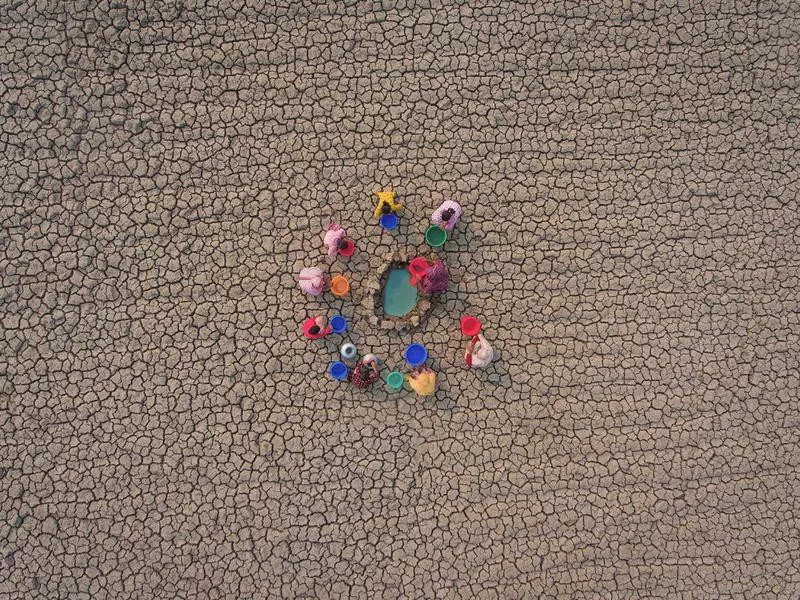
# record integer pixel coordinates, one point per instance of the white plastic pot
(348, 351)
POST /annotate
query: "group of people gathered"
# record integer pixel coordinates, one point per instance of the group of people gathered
(432, 279)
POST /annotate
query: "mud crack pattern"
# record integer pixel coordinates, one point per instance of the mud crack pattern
(629, 177)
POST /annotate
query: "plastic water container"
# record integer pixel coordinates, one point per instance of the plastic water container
(389, 221)
(348, 249)
(338, 371)
(435, 236)
(348, 351)
(338, 324)
(470, 326)
(340, 286)
(394, 380)
(416, 354)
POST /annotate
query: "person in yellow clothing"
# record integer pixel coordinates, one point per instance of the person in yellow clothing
(386, 204)
(423, 381)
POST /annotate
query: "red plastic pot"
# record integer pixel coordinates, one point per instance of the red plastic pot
(470, 326)
(348, 249)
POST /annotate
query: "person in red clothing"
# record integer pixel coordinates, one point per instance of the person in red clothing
(364, 374)
(315, 328)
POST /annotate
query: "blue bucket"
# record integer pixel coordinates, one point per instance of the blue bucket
(416, 355)
(389, 221)
(338, 371)
(338, 324)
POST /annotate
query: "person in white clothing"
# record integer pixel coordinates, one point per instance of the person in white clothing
(479, 353)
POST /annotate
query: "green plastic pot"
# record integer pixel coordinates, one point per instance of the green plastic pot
(435, 236)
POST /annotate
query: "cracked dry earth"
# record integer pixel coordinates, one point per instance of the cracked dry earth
(629, 178)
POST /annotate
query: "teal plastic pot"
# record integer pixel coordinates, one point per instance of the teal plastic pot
(395, 380)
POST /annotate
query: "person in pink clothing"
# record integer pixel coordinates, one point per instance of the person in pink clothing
(435, 279)
(335, 239)
(315, 328)
(312, 281)
(447, 215)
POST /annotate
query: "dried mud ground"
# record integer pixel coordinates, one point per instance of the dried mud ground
(629, 176)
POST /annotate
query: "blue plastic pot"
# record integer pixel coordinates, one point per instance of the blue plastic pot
(339, 324)
(338, 371)
(416, 354)
(389, 221)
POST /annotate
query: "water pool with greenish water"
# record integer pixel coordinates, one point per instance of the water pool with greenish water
(399, 296)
